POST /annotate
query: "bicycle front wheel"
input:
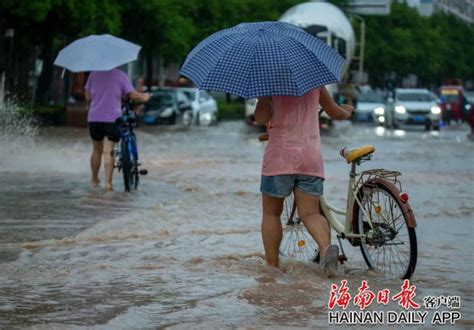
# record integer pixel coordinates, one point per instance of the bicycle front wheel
(296, 243)
(390, 244)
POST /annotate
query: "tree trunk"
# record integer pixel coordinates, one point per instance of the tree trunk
(45, 80)
(22, 77)
(149, 70)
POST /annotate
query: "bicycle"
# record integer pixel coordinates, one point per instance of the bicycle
(126, 152)
(378, 219)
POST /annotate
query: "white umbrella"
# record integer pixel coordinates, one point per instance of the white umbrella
(97, 53)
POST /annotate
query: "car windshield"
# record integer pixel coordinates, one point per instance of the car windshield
(370, 97)
(161, 99)
(414, 97)
(190, 95)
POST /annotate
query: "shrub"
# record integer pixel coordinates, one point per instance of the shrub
(231, 110)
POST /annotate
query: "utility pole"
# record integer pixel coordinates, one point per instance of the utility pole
(361, 45)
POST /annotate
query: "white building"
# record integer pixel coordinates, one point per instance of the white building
(464, 9)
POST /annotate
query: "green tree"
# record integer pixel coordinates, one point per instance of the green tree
(434, 48)
(43, 26)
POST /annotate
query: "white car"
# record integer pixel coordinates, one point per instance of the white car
(250, 105)
(203, 104)
(369, 105)
(413, 106)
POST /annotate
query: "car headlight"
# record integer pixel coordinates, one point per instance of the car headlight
(379, 111)
(435, 110)
(206, 116)
(167, 112)
(400, 109)
(382, 119)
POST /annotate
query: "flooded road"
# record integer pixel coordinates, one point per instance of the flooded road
(185, 250)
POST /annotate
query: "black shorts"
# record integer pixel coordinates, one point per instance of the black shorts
(99, 130)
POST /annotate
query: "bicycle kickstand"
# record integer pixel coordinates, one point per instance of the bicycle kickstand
(342, 257)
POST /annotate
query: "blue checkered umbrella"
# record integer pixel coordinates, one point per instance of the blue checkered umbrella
(263, 59)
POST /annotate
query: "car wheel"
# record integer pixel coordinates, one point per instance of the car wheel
(173, 119)
(187, 118)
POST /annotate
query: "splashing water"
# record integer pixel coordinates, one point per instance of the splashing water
(12, 121)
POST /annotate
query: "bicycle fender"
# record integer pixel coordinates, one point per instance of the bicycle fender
(406, 208)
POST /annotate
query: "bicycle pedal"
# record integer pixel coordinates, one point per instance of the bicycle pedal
(342, 258)
(143, 172)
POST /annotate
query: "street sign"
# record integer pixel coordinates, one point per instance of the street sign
(369, 7)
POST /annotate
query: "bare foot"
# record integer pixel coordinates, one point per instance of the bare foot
(95, 184)
(108, 187)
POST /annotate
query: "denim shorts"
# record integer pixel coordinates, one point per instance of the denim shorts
(282, 185)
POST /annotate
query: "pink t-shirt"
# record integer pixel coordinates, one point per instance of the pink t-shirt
(107, 89)
(294, 145)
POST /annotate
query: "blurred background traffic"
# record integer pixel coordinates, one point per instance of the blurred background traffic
(408, 62)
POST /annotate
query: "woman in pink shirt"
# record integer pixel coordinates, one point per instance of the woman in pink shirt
(293, 162)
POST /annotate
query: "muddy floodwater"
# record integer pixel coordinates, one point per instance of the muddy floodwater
(185, 250)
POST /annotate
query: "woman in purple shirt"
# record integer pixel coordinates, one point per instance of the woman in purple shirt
(105, 91)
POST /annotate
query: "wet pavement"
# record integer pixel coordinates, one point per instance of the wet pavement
(185, 250)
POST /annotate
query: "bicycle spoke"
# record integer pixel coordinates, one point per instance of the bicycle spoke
(389, 247)
(395, 263)
(400, 262)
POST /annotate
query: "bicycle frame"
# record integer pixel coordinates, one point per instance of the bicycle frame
(126, 152)
(345, 229)
(132, 148)
(126, 131)
(329, 211)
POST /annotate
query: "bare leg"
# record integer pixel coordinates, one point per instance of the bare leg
(317, 225)
(272, 231)
(108, 163)
(96, 159)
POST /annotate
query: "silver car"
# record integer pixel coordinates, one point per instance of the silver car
(411, 106)
(203, 104)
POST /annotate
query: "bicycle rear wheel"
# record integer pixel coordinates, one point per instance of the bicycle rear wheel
(390, 245)
(297, 243)
(134, 161)
(127, 163)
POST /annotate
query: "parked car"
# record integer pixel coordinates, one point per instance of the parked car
(250, 105)
(369, 105)
(167, 106)
(412, 106)
(203, 104)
